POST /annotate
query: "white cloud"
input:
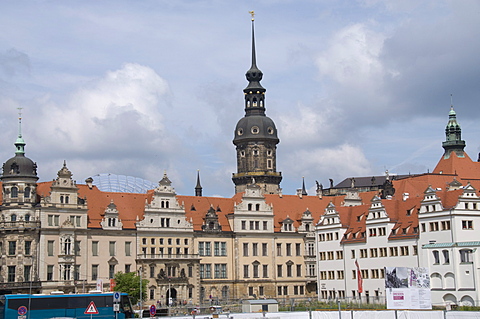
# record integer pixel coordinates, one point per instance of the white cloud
(353, 57)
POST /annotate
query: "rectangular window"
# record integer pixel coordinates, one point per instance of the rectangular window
(404, 251)
(255, 271)
(223, 248)
(255, 249)
(289, 249)
(265, 271)
(466, 256)
(111, 271)
(279, 249)
(264, 249)
(331, 274)
(201, 248)
(76, 247)
(353, 253)
(28, 247)
(111, 249)
(56, 220)
(393, 251)
(95, 248)
(289, 270)
(128, 248)
(202, 271)
(244, 225)
(12, 248)
(250, 291)
(299, 270)
(152, 271)
(433, 226)
(50, 220)
(76, 272)
(279, 271)
(26, 272)
(340, 274)
(383, 251)
(128, 267)
(436, 257)
(445, 225)
(373, 252)
(50, 245)
(265, 225)
(49, 272)
(94, 272)
(298, 249)
(245, 271)
(245, 249)
(208, 251)
(11, 274)
(467, 224)
(216, 248)
(261, 290)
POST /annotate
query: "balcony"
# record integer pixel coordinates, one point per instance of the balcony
(158, 257)
(6, 226)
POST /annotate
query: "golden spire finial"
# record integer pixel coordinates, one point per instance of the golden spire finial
(253, 14)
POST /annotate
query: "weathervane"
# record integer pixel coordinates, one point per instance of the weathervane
(253, 14)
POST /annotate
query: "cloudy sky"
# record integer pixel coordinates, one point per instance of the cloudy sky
(139, 87)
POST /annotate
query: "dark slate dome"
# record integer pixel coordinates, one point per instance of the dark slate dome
(19, 166)
(255, 127)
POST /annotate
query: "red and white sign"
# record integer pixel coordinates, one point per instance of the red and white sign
(91, 309)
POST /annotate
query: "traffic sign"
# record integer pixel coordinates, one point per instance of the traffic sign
(22, 310)
(153, 310)
(116, 296)
(91, 309)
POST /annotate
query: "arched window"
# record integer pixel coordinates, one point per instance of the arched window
(167, 204)
(27, 192)
(27, 218)
(257, 207)
(66, 199)
(61, 199)
(14, 192)
(162, 204)
(13, 218)
(307, 227)
(249, 206)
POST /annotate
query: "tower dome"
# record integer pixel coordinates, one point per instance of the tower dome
(19, 166)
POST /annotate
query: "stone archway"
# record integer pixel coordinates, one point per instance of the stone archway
(171, 296)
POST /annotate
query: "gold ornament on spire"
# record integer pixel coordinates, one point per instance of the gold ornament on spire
(253, 14)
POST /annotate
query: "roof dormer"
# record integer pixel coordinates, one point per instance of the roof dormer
(111, 220)
(287, 225)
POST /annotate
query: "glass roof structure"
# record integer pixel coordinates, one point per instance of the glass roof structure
(122, 183)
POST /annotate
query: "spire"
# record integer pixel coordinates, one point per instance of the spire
(304, 191)
(20, 143)
(198, 188)
(453, 133)
(254, 92)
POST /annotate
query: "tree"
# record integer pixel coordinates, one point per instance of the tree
(130, 284)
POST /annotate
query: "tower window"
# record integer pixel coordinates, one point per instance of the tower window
(255, 152)
(270, 130)
(269, 152)
(27, 192)
(269, 163)
(14, 192)
(255, 130)
(242, 153)
(240, 131)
